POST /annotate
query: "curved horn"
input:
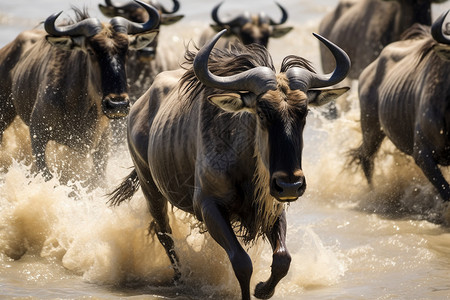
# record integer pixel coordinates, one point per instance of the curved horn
(176, 7)
(239, 20)
(284, 15)
(87, 27)
(257, 80)
(302, 79)
(436, 30)
(215, 15)
(126, 26)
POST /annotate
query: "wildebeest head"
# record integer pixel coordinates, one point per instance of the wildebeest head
(280, 104)
(250, 28)
(131, 11)
(107, 46)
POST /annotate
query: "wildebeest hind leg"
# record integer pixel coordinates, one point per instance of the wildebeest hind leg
(368, 150)
(220, 229)
(160, 225)
(424, 159)
(281, 259)
(372, 138)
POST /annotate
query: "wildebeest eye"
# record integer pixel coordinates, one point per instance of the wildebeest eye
(261, 115)
(90, 51)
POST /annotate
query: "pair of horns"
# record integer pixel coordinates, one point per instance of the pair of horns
(215, 16)
(92, 26)
(261, 79)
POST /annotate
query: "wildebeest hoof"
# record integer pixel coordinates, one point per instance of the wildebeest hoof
(262, 291)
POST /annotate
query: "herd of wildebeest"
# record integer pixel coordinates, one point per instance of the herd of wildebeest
(220, 136)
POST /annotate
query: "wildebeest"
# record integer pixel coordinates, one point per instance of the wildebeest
(144, 64)
(363, 28)
(405, 95)
(70, 82)
(223, 141)
(248, 28)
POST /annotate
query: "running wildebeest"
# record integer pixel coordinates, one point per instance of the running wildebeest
(248, 28)
(405, 95)
(70, 82)
(223, 141)
(363, 28)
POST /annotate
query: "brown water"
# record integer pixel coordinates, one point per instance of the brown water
(347, 242)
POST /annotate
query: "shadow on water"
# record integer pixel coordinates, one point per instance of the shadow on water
(400, 191)
(164, 290)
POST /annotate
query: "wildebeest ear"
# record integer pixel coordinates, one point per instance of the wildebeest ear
(278, 32)
(108, 11)
(65, 42)
(231, 102)
(321, 97)
(141, 40)
(443, 51)
(218, 28)
(234, 102)
(169, 20)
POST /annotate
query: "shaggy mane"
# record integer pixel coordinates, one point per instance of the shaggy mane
(296, 61)
(80, 14)
(420, 32)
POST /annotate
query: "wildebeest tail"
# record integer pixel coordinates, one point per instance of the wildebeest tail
(125, 190)
(354, 157)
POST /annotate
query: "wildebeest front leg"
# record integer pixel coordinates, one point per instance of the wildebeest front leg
(424, 159)
(219, 227)
(281, 259)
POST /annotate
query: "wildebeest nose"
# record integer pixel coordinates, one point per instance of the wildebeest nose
(288, 190)
(147, 54)
(119, 99)
(116, 106)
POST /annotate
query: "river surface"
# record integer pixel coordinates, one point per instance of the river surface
(346, 241)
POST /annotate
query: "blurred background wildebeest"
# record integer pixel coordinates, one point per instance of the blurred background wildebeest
(404, 95)
(144, 64)
(364, 27)
(70, 82)
(247, 27)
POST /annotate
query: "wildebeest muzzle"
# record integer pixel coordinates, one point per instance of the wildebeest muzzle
(146, 54)
(115, 106)
(286, 189)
